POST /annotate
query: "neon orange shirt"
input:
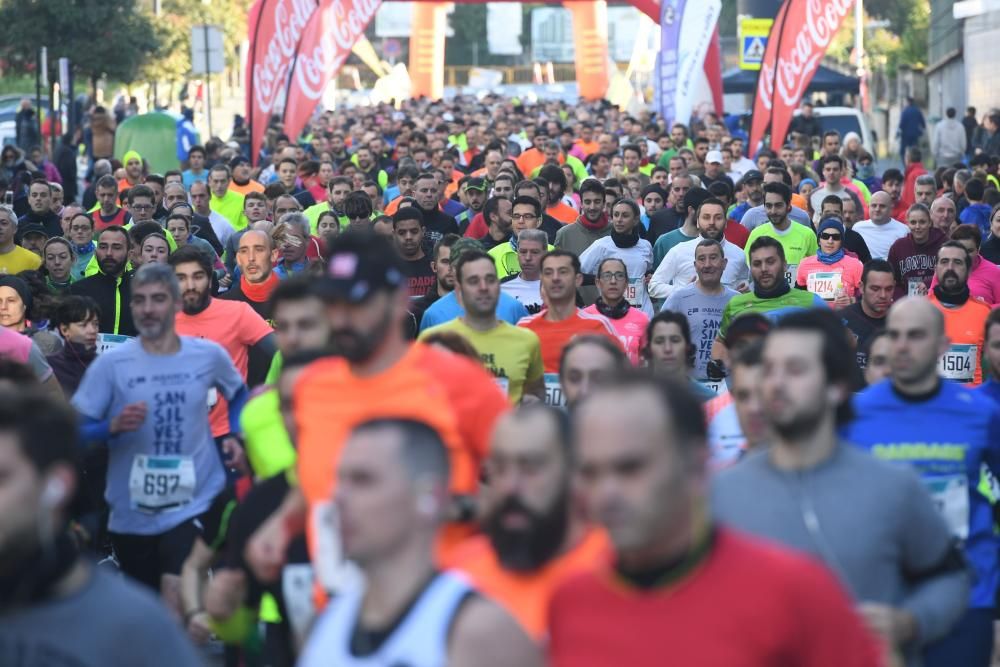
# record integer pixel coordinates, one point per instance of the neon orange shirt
(451, 394)
(563, 212)
(235, 326)
(248, 187)
(555, 335)
(526, 595)
(965, 326)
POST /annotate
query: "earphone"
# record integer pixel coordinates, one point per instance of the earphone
(427, 505)
(53, 493)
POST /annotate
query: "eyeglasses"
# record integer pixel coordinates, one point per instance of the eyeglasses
(524, 216)
(829, 237)
(609, 276)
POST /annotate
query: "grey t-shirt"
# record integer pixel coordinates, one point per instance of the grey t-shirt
(757, 216)
(871, 522)
(704, 313)
(110, 622)
(169, 469)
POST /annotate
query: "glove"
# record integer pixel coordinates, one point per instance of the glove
(716, 370)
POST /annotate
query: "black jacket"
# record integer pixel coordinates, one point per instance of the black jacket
(49, 220)
(69, 364)
(102, 289)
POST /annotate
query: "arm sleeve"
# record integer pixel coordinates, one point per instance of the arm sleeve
(94, 430)
(259, 359)
(227, 378)
(38, 363)
(660, 283)
(236, 405)
(941, 593)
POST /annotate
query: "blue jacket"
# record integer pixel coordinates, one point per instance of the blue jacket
(977, 214)
(952, 439)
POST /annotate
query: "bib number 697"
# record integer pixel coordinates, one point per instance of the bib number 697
(160, 484)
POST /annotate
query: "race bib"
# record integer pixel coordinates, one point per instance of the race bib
(716, 386)
(824, 284)
(503, 383)
(951, 496)
(634, 292)
(213, 397)
(553, 391)
(916, 287)
(297, 589)
(106, 341)
(333, 571)
(958, 363)
(790, 273)
(161, 483)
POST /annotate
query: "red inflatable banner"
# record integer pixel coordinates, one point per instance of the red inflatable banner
(326, 42)
(799, 38)
(275, 31)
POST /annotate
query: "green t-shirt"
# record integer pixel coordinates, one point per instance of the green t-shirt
(776, 308)
(513, 357)
(230, 207)
(798, 241)
(666, 242)
(269, 449)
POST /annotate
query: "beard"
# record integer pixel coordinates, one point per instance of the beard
(800, 425)
(528, 549)
(111, 266)
(198, 304)
(359, 346)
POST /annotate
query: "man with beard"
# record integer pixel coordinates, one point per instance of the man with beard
(678, 269)
(512, 354)
(678, 580)
(521, 215)
(475, 198)
(888, 545)
(948, 434)
(444, 279)
(405, 611)
(753, 186)
(672, 215)
(534, 537)
(46, 580)
(593, 224)
(234, 325)
(798, 241)
(771, 294)
(376, 373)
(964, 316)
(337, 190)
(110, 286)
(255, 255)
(866, 317)
(500, 226)
(148, 397)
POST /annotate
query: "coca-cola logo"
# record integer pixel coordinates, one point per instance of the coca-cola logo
(800, 56)
(281, 37)
(338, 28)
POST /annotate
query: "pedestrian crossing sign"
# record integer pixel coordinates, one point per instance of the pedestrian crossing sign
(753, 41)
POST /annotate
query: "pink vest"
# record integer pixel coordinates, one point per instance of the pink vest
(14, 346)
(629, 329)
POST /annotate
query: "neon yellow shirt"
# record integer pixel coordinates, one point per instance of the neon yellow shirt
(798, 241)
(230, 207)
(513, 357)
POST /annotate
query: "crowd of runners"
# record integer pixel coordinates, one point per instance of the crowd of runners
(490, 382)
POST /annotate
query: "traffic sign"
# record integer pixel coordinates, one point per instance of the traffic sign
(391, 48)
(207, 54)
(753, 41)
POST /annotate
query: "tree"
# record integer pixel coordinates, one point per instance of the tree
(172, 60)
(109, 38)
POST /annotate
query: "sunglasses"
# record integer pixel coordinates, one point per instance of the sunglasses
(829, 237)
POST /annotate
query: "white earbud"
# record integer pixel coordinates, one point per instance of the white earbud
(54, 492)
(427, 505)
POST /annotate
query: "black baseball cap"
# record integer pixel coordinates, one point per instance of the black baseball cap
(752, 175)
(31, 228)
(361, 263)
(476, 183)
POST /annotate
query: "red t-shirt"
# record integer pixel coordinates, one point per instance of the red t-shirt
(235, 326)
(736, 233)
(747, 603)
(555, 335)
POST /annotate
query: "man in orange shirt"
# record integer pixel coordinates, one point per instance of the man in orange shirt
(234, 325)
(535, 536)
(556, 207)
(562, 320)
(964, 316)
(377, 373)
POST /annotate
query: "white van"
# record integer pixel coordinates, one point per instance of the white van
(844, 120)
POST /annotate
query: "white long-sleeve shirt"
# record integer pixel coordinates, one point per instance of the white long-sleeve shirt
(677, 268)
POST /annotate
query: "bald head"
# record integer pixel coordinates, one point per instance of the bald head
(256, 255)
(917, 310)
(880, 207)
(943, 214)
